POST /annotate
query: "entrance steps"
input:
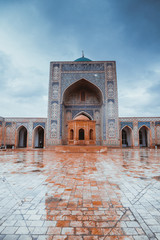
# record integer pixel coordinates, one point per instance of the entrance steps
(81, 149)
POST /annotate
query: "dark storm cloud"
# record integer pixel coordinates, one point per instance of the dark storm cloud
(35, 32)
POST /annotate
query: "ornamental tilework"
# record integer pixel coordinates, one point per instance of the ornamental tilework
(8, 124)
(111, 111)
(83, 67)
(53, 129)
(35, 124)
(110, 89)
(123, 124)
(18, 124)
(157, 123)
(56, 72)
(111, 128)
(55, 90)
(140, 124)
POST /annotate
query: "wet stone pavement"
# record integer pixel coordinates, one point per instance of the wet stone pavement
(80, 196)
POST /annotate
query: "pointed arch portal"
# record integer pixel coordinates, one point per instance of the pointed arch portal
(144, 137)
(82, 100)
(22, 137)
(39, 137)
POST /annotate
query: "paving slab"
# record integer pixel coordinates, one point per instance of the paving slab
(85, 196)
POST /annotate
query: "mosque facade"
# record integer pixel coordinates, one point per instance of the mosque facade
(82, 110)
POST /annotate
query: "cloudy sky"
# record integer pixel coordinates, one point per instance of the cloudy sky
(35, 32)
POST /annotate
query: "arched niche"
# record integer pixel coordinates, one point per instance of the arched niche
(144, 137)
(22, 137)
(38, 137)
(127, 138)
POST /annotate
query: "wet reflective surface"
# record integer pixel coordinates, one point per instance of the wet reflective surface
(48, 195)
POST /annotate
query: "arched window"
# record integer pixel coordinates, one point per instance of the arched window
(91, 134)
(124, 137)
(71, 134)
(81, 134)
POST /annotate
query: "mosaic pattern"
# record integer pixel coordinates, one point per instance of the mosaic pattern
(8, 124)
(111, 128)
(22, 124)
(111, 110)
(55, 90)
(42, 124)
(83, 67)
(110, 89)
(53, 129)
(123, 124)
(56, 72)
(140, 124)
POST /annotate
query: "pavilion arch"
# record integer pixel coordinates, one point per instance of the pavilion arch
(22, 137)
(38, 137)
(126, 136)
(83, 113)
(144, 135)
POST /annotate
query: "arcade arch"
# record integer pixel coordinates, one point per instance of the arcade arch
(144, 139)
(38, 137)
(22, 137)
(127, 139)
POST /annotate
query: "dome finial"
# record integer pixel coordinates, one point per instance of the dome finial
(82, 53)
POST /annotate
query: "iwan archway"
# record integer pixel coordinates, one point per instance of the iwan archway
(82, 107)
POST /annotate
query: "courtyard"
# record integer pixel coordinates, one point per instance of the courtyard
(80, 196)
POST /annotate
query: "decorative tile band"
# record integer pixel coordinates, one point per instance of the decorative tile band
(83, 67)
(8, 124)
(140, 124)
(157, 123)
(35, 124)
(125, 124)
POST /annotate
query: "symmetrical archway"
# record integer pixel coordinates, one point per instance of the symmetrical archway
(38, 137)
(127, 139)
(144, 140)
(22, 137)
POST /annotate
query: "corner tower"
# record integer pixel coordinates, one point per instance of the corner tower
(83, 87)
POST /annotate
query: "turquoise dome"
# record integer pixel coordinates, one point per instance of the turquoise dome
(82, 59)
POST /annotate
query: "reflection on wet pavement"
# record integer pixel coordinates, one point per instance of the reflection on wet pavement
(48, 195)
